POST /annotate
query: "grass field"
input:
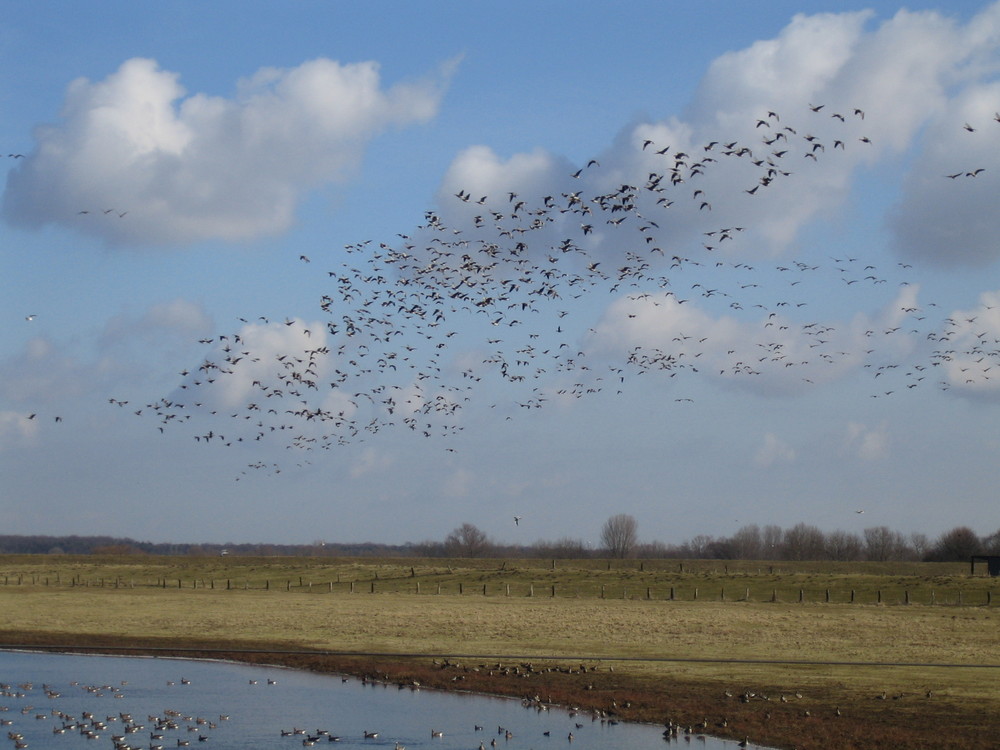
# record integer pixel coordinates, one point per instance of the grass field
(917, 676)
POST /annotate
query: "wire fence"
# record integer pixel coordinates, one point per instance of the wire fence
(977, 594)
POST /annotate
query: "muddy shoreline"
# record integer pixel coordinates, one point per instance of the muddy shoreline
(764, 714)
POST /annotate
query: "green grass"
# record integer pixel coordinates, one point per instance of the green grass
(835, 583)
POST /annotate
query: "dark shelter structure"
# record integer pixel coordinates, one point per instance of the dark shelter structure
(992, 564)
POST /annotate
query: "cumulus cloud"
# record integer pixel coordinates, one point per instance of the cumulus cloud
(770, 353)
(968, 349)
(135, 160)
(259, 360)
(868, 444)
(44, 373)
(773, 450)
(459, 483)
(947, 214)
(370, 461)
(175, 318)
(16, 429)
(841, 88)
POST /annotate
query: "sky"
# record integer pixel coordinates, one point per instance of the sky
(369, 271)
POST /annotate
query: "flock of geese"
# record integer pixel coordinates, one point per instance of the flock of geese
(168, 729)
(171, 728)
(494, 291)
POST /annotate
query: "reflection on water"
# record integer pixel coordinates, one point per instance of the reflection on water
(67, 701)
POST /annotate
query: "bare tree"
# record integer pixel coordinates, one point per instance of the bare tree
(843, 546)
(958, 544)
(882, 543)
(991, 544)
(803, 542)
(920, 545)
(747, 543)
(770, 542)
(467, 541)
(619, 535)
(563, 548)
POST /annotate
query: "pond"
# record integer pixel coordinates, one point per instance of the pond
(73, 701)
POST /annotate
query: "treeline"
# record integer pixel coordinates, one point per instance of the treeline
(751, 542)
(807, 542)
(107, 545)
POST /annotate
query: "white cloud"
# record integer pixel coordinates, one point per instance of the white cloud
(44, 373)
(969, 349)
(175, 318)
(947, 213)
(773, 450)
(480, 171)
(368, 462)
(17, 429)
(459, 483)
(770, 353)
(868, 444)
(883, 84)
(262, 361)
(151, 165)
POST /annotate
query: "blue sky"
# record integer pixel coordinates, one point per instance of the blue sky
(179, 159)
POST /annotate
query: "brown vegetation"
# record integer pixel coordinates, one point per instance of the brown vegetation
(774, 672)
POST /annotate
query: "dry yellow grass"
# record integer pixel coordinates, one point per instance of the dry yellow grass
(597, 628)
(655, 641)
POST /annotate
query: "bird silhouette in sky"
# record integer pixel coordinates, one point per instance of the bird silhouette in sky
(489, 297)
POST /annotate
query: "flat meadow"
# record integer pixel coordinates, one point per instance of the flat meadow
(789, 654)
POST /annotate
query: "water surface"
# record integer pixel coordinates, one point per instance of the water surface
(225, 706)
